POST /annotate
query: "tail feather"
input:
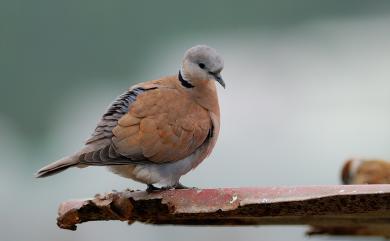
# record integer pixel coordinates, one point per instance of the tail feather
(57, 166)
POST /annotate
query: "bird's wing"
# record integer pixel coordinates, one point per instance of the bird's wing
(149, 125)
(116, 110)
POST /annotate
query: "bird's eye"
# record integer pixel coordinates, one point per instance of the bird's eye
(202, 65)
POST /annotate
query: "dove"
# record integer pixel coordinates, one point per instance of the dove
(365, 171)
(159, 130)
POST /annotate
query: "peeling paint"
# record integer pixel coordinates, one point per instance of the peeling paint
(234, 198)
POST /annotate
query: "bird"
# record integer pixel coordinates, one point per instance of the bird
(158, 130)
(365, 171)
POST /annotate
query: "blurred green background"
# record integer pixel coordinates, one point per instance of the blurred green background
(308, 85)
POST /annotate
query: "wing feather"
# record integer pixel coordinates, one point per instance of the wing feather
(143, 126)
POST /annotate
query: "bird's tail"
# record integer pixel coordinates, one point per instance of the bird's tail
(58, 166)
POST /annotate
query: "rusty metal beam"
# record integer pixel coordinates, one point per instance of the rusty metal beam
(322, 206)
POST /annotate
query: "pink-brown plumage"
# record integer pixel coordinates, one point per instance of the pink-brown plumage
(158, 130)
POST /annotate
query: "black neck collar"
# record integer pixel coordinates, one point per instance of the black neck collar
(184, 82)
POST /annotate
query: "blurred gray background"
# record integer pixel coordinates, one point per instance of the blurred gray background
(308, 85)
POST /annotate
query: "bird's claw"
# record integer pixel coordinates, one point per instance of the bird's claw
(152, 188)
(180, 186)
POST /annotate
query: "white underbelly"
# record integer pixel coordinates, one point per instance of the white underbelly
(167, 174)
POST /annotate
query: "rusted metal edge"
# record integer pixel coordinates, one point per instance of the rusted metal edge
(341, 205)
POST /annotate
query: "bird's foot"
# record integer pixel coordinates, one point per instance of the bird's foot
(152, 188)
(177, 186)
(181, 186)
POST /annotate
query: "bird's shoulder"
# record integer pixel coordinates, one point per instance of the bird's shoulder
(164, 96)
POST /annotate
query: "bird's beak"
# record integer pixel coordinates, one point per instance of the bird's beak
(219, 79)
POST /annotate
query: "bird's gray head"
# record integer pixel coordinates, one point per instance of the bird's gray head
(201, 62)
